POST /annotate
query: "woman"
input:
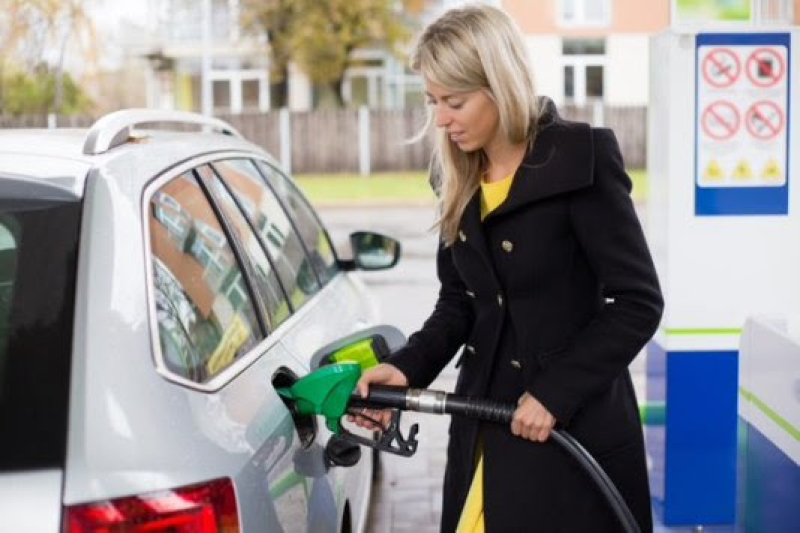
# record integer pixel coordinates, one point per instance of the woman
(547, 282)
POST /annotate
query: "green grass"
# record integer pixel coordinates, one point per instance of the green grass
(639, 193)
(409, 187)
(396, 187)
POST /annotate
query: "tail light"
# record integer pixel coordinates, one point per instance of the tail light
(205, 508)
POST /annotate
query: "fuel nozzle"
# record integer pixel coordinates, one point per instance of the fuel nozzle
(330, 392)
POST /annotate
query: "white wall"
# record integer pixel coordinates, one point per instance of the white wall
(545, 54)
(626, 69)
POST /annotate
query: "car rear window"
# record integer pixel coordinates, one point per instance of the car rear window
(38, 258)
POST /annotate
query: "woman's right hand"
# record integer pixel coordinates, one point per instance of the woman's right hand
(383, 374)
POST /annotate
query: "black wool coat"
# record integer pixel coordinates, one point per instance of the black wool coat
(554, 293)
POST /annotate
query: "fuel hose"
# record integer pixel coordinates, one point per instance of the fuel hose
(438, 402)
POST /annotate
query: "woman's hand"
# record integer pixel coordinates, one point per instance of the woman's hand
(532, 420)
(383, 374)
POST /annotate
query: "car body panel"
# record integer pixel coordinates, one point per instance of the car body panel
(134, 430)
(31, 501)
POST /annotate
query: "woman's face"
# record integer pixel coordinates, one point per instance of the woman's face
(471, 119)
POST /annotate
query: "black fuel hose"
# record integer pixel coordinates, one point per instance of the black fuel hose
(438, 402)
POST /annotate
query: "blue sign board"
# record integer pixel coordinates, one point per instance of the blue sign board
(742, 84)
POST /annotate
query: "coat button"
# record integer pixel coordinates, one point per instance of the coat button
(500, 300)
(471, 294)
(470, 349)
(507, 246)
(462, 236)
(516, 364)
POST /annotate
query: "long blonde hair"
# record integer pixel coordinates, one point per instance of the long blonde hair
(465, 50)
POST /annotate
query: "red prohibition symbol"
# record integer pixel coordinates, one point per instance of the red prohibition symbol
(720, 120)
(721, 67)
(764, 120)
(765, 67)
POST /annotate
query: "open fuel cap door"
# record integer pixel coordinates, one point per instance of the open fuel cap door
(367, 347)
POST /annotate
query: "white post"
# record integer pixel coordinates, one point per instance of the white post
(363, 141)
(285, 135)
(598, 113)
(207, 86)
(263, 94)
(235, 82)
(52, 121)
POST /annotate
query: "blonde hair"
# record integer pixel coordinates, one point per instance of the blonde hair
(468, 49)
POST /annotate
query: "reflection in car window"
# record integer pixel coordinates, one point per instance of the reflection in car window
(311, 231)
(205, 316)
(274, 227)
(266, 279)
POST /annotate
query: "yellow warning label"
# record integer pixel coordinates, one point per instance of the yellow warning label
(713, 171)
(743, 171)
(772, 171)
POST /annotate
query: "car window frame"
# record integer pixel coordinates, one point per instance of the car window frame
(242, 363)
(227, 237)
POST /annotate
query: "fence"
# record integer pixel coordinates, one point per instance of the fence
(353, 140)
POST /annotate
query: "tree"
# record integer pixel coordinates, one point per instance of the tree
(321, 35)
(334, 29)
(279, 20)
(16, 24)
(30, 27)
(34, 93)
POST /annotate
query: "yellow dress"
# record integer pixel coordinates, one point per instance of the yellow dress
(471, 520)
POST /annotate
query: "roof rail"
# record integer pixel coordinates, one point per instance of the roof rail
(115, 128)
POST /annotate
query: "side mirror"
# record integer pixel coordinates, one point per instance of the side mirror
(373, 251)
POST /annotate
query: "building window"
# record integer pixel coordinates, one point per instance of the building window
(584, 66)
(584, 12)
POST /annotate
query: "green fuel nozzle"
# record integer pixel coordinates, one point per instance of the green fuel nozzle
(325, 392)
(330, 392)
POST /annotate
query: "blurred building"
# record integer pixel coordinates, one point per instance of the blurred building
(590, 50)
(184, 42)
(597, 50)
(583, 51)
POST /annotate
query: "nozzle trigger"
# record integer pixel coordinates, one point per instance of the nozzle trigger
(391, 439)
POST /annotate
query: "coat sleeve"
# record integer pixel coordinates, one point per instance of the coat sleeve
(607, 229)
(430, 349)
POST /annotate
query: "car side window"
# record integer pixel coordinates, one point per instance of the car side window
(274, 227)
(312, 232)
(275, 307)
(206, 318)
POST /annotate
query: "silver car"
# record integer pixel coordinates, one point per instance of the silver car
(156, 287)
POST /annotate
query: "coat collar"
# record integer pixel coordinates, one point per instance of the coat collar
(561, 160)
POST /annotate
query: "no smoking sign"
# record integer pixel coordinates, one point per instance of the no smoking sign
(721, 67)
(720, 120)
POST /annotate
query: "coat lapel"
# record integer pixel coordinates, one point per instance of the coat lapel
(471, 230)
(561, 160)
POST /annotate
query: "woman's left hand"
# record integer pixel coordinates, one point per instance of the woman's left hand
(532, 420)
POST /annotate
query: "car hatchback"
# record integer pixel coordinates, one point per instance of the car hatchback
(156, 288)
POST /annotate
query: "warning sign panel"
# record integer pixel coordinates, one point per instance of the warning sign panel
(741, 119)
